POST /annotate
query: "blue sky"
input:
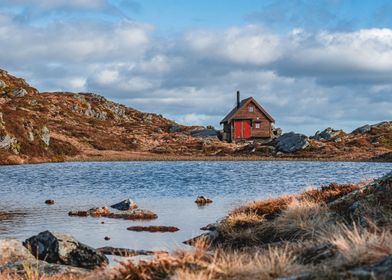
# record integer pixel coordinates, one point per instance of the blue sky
(312, 64)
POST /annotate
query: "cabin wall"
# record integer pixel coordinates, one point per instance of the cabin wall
(265, 130)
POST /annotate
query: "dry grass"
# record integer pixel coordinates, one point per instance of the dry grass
(361, 246)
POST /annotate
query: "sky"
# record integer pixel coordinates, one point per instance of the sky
(310, 64)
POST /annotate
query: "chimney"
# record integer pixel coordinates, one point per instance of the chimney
(238, 99)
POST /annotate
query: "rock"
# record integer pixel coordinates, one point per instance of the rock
(9, 142)
(327, 134)
(2, 84)
(42, 268)
(61, 248)
(107, 238)
(202, 200)
(209, 237)
(153, 228)
(277, 132)
(49, 201)
(175, 128)
(291, 142)
(125, 205)
(205, 133)
(45, 135)
(135, 214)
(209, 227)
(363, 129)
(123, 252)
(12, 250)
(18, 92)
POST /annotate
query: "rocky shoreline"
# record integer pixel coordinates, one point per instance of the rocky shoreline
(332, 232)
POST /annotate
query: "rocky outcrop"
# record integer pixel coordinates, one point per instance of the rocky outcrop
(291, 142)
(45, 135)
(9, 142)
(125, 205)
(18, 92)
(205, 133)
(367, 128)
(60, 248)
(327, 134)
(367, 203)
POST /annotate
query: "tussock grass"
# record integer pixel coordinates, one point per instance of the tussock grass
(362, 245)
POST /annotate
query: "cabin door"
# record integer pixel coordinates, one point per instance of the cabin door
(246, 129)
(238, 129)
(242, 129)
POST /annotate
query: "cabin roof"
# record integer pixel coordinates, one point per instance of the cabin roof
(243, 103)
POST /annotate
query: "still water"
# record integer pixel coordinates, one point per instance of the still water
(167, 188)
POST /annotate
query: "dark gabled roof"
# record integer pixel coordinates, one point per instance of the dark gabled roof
(244, 102)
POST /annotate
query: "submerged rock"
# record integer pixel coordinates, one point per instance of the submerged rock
(154, 228)
(292, 142)
(60, 248)
(202, 200)
(125, 205)
(124, 252)
(49, 201)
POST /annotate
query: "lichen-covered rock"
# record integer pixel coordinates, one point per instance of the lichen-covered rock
(60, 248)
(125, 205)
(291, 142)
(372, 201)
(45, 135)
(8, 142)
(327, 134)
(2, 84)
(12, 250)
(18, 92)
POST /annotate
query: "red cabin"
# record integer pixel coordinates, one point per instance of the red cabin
(247, 121)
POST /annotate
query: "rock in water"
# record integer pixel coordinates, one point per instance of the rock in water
(61, 248)
(125, 205)
(202, 200)
(292, 142)
(49, 201)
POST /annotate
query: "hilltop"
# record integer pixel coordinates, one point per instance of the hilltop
(61, 126)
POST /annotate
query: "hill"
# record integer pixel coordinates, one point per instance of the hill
(59, 126)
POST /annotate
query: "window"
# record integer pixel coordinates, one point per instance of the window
(257, 125)
(251, 108)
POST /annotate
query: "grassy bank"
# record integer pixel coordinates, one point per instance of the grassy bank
(333, 232)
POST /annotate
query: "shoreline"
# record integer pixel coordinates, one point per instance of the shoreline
(169, 158)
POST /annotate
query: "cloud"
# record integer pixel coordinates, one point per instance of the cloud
(306, 79)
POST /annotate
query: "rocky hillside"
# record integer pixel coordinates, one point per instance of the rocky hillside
(41, 127)
(58, 126)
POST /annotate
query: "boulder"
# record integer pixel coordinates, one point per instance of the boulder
(205, 133)
(12, 250)
(327, 134)
(8, 142)
(45, 135)
(60, 248)
(291, 142)
(19, 92)
(2, 84)
(367, 128)
(49, 201)
(125, 205)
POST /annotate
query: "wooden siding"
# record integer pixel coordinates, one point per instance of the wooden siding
(257, 117)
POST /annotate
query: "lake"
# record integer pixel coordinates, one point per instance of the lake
(167, 188)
